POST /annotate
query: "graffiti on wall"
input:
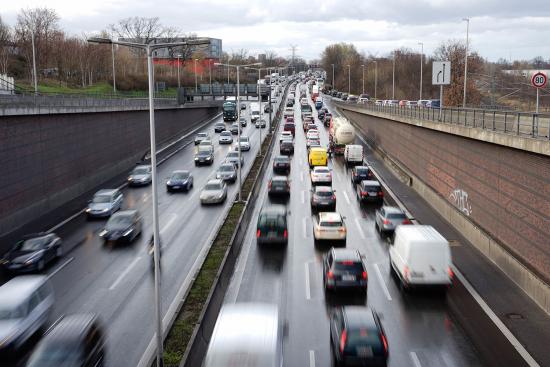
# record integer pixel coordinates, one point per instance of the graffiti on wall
(459, 198)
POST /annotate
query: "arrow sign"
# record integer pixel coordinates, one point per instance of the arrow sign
(441, 73)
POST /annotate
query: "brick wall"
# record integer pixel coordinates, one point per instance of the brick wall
(505, 191)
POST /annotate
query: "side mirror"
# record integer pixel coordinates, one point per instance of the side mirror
(343, 217)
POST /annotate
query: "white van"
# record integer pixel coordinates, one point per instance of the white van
(246, 334)
(420, 255)
(254, 111)
(353, 154)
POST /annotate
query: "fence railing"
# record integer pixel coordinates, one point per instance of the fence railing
(525, 124)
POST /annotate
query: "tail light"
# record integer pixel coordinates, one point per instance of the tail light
(384, 342)
(406, 221)
(381, 193)
(364, 275)
(343, 338)
(386, 221)
(406, 272)
(333, 197)
(285, 234)
(451, 273)
(342, 229)
(269, 185)
(330, 274)
(258, 233)
(364, 193)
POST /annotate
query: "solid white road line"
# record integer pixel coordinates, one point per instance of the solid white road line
(346, 197)
(304, 225)
(308, 290)
(60, 267)
(301, 176)
(359, 228)
(415, 359)
(124, 273)
(303, 196)
(173, 217)
(382, 283)
(311, 358)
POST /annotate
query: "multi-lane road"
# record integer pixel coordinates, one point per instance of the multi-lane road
(419, 328)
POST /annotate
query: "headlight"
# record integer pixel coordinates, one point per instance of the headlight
(127, 232)
(88, 210)
(208, 158)
(105, 210)
(31, 260)
(3, 261)
(218, 175)
(129, 178)
(103, 233)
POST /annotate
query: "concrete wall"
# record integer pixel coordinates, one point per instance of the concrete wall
(49, 160)
(503, 191)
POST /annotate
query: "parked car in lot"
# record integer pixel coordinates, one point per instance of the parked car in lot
(104, 203)
(323, 199)
(272, 226)
(279, 186)
(214, 192)
(387, 218)
(329, 226)
(343, 269)
(179, 180)
(218, 128)
(226, 137)
(227, 172)
(32, 253)
(244, 143)
(233, 157)
(321, 175)
(286, 147)
(281, 164)
(200, 137)
(357, 337)
(140, 175)
(369, 191)
(123, 226)
(360, 173)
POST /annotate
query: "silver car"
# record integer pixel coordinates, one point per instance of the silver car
(226, 137)
(227, 172)
(387, 218)
(244, 143)
(214, 192)
(233, 157)
(200, 137)
(260, 124)
(104, 203)
(140, 175)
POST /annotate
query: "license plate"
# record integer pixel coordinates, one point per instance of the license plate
(176, 187)
(348, 277)
(364, 352)
(271, 234)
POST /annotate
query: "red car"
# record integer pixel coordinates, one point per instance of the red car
(290, 126)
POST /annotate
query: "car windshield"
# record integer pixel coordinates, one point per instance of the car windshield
(213, 186)
(363, 336)
(331, 224)
(271, 221)
(321, 170)
(227, 168)
(140, 171)
(33, 244)
(119, 221)
(348, 266)
(10, 313)
(324, 193)
(396, 216)
(225, 133)
(243, 139)
(281, 159)
(201, 135)
(233, 155)
(362, 171)
(180, 175)
(372, 188)
(101, 199)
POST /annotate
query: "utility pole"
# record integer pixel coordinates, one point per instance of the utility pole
(333, 85)
(421, 64)
(293, 49)
(467, 20)
(363, 79)
(34, 65)
(375, 78)
(393, 77)
(113, 58)
(349, 80)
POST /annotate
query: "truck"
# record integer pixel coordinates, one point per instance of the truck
(353, 154)
(264, 89)
(254, 111)
(341, 132)
(230, 109)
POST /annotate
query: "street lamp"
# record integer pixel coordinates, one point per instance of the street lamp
(260, 101)
(196, 89)
(393, 77)
(149, 48)
(34, 65)
(178, 57)
(421, 64)
(349, 80)
(113, 58)
(333, 85)
(363, 79)
(375, 77)
(239, 116)
(467, 20)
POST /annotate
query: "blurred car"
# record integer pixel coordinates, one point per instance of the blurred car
(206, 143)
(433, 103)
(379, 102)
(344, 97)
(205, 155)
(411, 104)
(290, 102)
(227, 172)
(392, 102)
(234, 128)
(360, 173)
(387, 218)
(352, 99)
(104, 203)
(123, 226)
(286, 147)
(321, 175)
(233, 157)
(278, 186)
(363, 98)
(267, 108)
(214, 192)
(260, 123)
(286, 135)
(272, 226)
(327, 119)
(281, 164)
(309, 126)
(140, 175)
(290, 126)
(422, 102)
(32, 253)
(75, 341)
(26, 303)
(344, 269)
(369, 191)
(357, 337)
(244, 143)
(329, 226)
(243, 106)
(218, 127)
(313, 142)
(225, 137)
(323, 198)
(243, 121)
(200, 137)
(403, 103)
(179, 180)
(312, 134)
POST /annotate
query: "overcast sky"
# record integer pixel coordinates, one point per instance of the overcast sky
(510, 29)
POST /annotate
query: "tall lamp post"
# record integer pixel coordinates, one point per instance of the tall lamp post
(363, 79)
(375, 77)
(178, 58)
(333, 85)
(349, 80)
(393, 77)
(421, 65)
(35, 76)
(149, 48)
(196, 88)
(467, 20)
(113, 58)
(238, 67)
(260, 101)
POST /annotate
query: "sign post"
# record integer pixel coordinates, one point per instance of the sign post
(539, 80)
(441, 75)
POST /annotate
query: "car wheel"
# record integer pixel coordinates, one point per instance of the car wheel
(59, 252)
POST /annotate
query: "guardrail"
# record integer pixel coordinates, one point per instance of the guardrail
(526, 124)
(77, 100)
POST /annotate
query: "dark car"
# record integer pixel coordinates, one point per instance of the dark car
(32, 253)
(344, 269)
(75, 341)
(323, 198)
(272, 226)
(357, 337)
(123, 226)
(281, 164)
(286, 147)
(361, 173)
(227, 172)
(326, 119)
(204, 156)
(234, 129)
(219, 127)
(290, 126)
(243, 121)
(179, 180)
(243, 106)
(267, 108)
(290, 103)
(370, 191)
(279, 186)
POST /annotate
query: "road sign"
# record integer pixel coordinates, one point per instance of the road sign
(441, 73)
(539, 80)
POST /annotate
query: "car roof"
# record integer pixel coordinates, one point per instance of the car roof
(279, 178)
(342, 254)
(322, 189)
(370, 183)
(124, 213)
(106, 192)
(275, 209)
(19, 288)
(181, 171)
(215, 181)
(321, 168)
(71, 328)
(392, 210)
(359, 316)
(318, 149)
(329, 217)
(36, 235)
(361, 167)
(227, 164)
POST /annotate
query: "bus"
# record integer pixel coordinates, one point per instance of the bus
(230, 109)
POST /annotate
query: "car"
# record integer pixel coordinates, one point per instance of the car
(260, 123)
(343, 269)
(422, 102)
(327, 119)
(313, 142)
(387, 218)
(141, 175)
(244, 143)
(243, 121)
(321, 114)
(360, 173)
(243, 106)
(289, 119)
(352, 99)
(233, 157)
(219, 127)
(206, 143)
(312, 134)
(75, 340)
(329, 226)
(214, 192)
(363, 98)
(369, 191)
(179, 180)
(357, 337)
(279, 186)
(321, 175)
(104, 203)
(379, 102)
(123, 226)
(323, 198)
(411, 104)
(227, 172)
(290, 103)
(317, 156)
(290, 126)
(433, 103)
(310, 126)
(344, 97)
(226, 137)
(403, 103)
(392, 102)
(32, 253)
(205, 155)
(286, 147)
(200, 137)
(234, 128)
(267, 108)
(281, 164)
(272, 225)
(285, 135)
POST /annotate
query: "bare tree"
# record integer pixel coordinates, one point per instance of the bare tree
(6, 46)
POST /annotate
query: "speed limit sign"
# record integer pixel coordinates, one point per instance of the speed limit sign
(538, 80)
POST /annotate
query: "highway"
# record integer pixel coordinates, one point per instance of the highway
(420, 330)
(117, 283)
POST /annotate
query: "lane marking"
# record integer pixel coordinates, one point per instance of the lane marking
(303, 197)
(60, 267)
(359, 228)
(173, 217)
(146, 197)
(124, 273)
(382, 283)
(302, 176)
(308, 290)
(346, 197)
(415, 359)
(311, 358)
(304, 227)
